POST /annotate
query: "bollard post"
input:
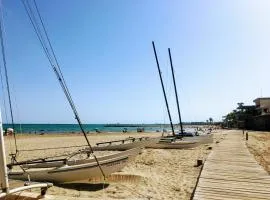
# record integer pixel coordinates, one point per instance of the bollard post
(246, 135)
(199, 162)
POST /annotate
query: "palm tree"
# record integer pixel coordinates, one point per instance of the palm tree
(231, 119)
(211, 120)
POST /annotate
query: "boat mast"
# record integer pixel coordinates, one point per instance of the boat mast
(176, 96)
(164, 93)
(3, 164)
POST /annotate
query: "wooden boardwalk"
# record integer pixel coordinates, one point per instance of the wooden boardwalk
(231, 172)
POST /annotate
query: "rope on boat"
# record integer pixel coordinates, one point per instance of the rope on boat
(49, 158)
(28, 175)
(49, 52)
(51, 148)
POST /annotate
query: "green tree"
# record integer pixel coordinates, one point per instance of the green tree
(240, 106)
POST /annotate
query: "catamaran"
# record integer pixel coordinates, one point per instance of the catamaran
(175, 141)
(125, 144)
(67, 170)
(69, 167)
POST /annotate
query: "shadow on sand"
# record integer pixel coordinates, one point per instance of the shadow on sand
(91, 187)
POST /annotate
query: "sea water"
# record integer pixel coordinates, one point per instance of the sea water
(73, 128)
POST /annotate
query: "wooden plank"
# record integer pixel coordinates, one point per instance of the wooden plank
(235, 183)
(238, 187)
(233, 193)
(221, 167)
(258, 173)
(231, 172)
(218, 196)
(236, 179)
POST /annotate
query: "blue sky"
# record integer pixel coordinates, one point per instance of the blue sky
(220, 51)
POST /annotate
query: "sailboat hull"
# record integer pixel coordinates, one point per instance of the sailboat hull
(125, 146)
(75, 171)
(186, 143)
(202, 139)
(173, 145)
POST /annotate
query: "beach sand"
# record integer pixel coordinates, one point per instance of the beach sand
(259, 145)
(154, 174)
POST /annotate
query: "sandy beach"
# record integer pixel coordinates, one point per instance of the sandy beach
(154, 174)
(259, 145)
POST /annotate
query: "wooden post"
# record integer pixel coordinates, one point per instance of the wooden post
(199, 162)
(246, 135)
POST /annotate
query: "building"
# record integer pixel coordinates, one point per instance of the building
(262, 105)
(244, 116)
(250, 117)
(261, 121)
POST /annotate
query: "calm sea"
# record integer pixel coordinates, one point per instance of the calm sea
(64, 128)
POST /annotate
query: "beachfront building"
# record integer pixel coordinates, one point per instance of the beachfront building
(244, 116)
(261, 121)
(250, 117)
(262, 105)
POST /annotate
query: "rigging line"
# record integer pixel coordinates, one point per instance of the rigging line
(49, 158)
(19, 125)
(41, 39)
(17, 116)
(5, 109)
(1, 74)
(79, 122)
(50, 148)
(49, 42)
(7, 81)
(4, 100)
(64, 85)
(34, 24)
(60, 75)
(65, 89)
(37, 31)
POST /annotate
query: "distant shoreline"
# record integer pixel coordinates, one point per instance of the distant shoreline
(89, 128)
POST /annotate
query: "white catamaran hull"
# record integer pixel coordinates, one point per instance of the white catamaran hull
(125, 146)
(186, 143)
(202, 139)
(173, 145)
(75, 170)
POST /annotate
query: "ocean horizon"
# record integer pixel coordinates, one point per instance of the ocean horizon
(73, 128)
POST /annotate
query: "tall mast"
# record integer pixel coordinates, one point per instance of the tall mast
(3, 165)
(164, 93)
(176, 96)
